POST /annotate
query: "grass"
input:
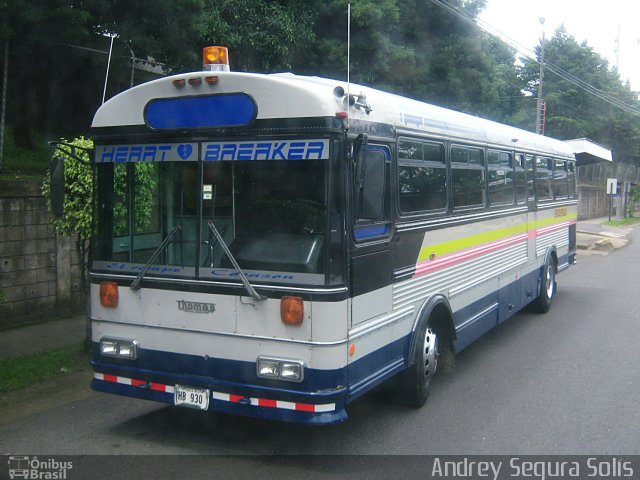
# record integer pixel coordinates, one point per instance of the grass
(21, 163)
(622, 223)
(23, 371)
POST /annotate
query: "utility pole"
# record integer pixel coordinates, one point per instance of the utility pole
(539, 111)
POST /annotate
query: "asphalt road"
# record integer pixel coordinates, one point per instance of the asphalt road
(567, 382)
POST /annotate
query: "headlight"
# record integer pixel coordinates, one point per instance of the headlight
(280, 369)
(112, 347)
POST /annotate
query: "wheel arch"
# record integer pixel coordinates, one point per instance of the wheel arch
(435, 309)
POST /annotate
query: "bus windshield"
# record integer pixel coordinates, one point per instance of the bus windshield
(272, 214)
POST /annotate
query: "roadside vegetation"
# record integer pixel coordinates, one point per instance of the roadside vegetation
(23, 371)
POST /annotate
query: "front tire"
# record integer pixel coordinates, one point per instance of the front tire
(548, 286)
(416, 380)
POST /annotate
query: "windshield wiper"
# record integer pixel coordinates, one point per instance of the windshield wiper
(135, 285)
(245, 281)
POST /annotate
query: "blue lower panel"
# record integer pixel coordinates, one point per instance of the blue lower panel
(376, 367)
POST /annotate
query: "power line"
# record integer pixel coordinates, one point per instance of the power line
(529, 54)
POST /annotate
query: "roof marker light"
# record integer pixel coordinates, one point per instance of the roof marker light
(195, 81)
(215, 59)
(180, 82)
(211, 79)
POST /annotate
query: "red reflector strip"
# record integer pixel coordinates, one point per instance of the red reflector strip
(134, 382)
(225, 397)
(265, 402)
(235, 398)
(270, 403)
(305, 407)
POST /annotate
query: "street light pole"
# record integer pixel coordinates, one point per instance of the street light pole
(106, 77)
(539, 114)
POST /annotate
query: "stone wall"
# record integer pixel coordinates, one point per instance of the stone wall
(39, 272)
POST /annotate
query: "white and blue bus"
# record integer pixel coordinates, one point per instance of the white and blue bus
(276, 245)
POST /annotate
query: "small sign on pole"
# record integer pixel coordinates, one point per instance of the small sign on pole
(612, 189)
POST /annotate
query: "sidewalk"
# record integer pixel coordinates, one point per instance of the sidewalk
(595, 237)
(41, 337)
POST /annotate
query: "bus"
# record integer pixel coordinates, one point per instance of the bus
(275, 246)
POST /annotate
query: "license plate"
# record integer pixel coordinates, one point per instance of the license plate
(191, 397)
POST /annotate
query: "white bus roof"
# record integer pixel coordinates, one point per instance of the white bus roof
(291, 96)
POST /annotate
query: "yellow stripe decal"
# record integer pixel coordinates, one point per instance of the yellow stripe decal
(452, 246)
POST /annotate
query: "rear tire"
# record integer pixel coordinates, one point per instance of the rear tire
(548, 286)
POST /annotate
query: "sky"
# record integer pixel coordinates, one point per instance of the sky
(598, 22)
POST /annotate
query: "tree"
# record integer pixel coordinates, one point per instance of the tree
(262, 35)
(574, 112)
(57, 70)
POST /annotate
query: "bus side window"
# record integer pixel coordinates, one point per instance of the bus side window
(422, 177)
(544, 174)
(531, 184)
(467, 176)
(370, 192)
(571, 174)
(501, 185)
(521, 179)
(560, 179)
(369, 189)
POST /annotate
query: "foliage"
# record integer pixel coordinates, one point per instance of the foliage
(412, 47)
(572, 112)
(145, 185)
(263, 35)
(20, 372)
(78, 179)
(21, 162)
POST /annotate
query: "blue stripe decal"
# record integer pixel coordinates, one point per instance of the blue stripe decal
(232, 110)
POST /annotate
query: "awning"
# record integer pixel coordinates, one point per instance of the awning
(588, 152)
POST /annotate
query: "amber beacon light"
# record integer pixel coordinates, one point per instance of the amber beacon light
(215, 59)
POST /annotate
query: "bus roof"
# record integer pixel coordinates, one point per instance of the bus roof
(285, 95)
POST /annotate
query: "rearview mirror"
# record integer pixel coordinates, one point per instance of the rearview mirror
(360, 156)
(56, 177)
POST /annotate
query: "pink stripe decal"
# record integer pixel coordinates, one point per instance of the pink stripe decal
(428, 266)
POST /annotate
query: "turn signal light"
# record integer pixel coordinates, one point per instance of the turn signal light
(291, 310)
(109, 294)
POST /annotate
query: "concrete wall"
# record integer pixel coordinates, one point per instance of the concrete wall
(592, 202)
(39, 272)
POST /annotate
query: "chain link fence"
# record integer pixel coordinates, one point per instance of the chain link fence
(53, 89)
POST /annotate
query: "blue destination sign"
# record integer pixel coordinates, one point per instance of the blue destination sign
(160, 152)
(271, 150)
(215, 151)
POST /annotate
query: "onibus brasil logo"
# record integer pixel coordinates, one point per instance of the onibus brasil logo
(33, 468)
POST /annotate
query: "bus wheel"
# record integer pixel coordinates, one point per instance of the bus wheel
(416, 380)
(542, 304)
